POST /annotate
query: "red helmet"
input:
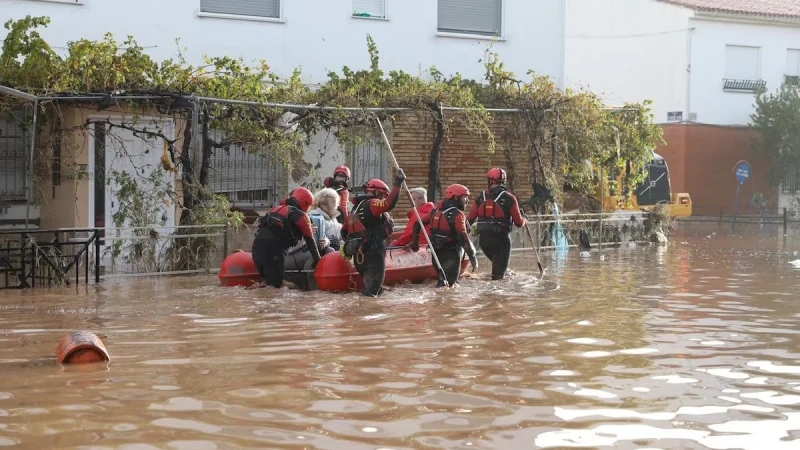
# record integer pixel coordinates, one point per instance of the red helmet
(344, 170)
(376, 185)
(496, 174)
(455, 190)
(303, 196)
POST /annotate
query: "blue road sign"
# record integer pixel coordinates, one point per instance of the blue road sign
(742, 171)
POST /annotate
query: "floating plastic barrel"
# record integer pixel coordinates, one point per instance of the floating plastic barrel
(238, 269)
(81, 347)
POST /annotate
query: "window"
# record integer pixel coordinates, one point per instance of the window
(674, 116)
(367, 160)
(792, 67)
(791, 182)
(13, 158)
(255, 8)
(480, 17)
(369, 8)
(742, 68)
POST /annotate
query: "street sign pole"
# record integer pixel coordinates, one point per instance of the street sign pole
(741, 171)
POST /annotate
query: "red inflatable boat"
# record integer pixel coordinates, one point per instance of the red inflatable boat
(335, 273)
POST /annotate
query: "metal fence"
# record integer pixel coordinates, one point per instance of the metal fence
(781, 217)
(47, 257)
(13, 159)
(603, 230)
(247, 179)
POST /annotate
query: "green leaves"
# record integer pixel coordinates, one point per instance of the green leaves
(584, 131)
(777, 118)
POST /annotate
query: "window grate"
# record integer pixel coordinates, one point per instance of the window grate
(791, 182)
(743, 85)
(13, 159)
(792, 80)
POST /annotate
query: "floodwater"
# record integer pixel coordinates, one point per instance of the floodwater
(695, 346)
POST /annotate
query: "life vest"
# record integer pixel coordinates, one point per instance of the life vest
(492, 214)
(443, 226)
(277, 220)
(359, 224)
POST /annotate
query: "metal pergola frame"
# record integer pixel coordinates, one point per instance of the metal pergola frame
(195, 102)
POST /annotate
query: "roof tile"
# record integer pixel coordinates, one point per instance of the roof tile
(766, 8)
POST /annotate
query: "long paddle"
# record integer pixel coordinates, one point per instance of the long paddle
(419, 218)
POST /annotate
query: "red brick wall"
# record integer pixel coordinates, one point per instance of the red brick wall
(465, 158)
(701, 160)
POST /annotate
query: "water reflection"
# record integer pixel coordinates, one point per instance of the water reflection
(693, 346)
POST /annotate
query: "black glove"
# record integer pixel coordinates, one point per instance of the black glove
(399, 177)
(473, 261)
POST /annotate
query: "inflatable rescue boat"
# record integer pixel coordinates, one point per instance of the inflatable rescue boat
(334, 272)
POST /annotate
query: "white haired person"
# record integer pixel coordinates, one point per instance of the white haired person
(420, 198)
(326, 203)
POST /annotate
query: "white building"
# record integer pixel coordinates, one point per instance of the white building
(700, 62)
(317, 36)
(685, 55)
(321, 35)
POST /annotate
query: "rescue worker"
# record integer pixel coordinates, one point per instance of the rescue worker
(449, 233)
(279, 229)
(420, 198)
(341, 176)
(495, 209)
(367, 228)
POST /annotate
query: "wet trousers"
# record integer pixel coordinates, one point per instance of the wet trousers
(269, 251)
(372, 267)
(497, 248)
(450, 257)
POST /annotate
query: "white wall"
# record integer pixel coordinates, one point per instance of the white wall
(708, 100)
(629, 51)
(319, 35)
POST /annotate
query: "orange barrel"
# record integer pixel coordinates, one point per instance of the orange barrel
(81, 347)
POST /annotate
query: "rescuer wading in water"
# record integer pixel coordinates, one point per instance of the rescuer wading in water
(495, 209)
(367, 228)
(449, 233)
(281, 228)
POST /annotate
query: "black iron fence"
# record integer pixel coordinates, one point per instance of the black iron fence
(782, 217)
(48, 257)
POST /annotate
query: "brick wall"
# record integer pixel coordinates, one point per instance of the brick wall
(465, 158)
(701, 160)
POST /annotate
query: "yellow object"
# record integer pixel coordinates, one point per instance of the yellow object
(166, 163)
(680, 204)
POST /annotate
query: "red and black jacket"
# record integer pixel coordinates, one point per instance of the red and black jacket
(496, 206)
(369, 219)
(290, 224)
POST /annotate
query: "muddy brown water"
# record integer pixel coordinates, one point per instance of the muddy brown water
(695, 346)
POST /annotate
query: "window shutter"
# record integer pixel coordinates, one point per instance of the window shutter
(374, 8)
(470, 16)
(741, 63)
(793, 62)
(258, 8)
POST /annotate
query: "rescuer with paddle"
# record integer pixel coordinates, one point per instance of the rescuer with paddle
(495, 209)
(449, 234)
(367, 228)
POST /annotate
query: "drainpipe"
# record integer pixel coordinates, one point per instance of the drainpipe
(689, 75)
(30, 165)
(564, 47)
